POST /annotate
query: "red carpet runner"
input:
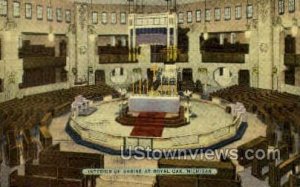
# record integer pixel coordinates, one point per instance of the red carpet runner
(149, 124)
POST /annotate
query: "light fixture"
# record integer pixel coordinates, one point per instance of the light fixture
(248, 32)
(92, 37)
(294, 29)
(51, 37)
(205, 33)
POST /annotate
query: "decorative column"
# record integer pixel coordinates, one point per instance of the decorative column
(71, 58)
(81, 43)
(194, 52)
(13, 70)
(278, 54)
(92, 54)
(265, 35)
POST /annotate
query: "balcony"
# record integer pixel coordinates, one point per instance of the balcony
(292, 60)
(118, 54)
(221, 57)
(43, 62)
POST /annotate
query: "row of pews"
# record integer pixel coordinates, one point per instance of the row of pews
(21, 120)
(281, 113)
(272, 107)
(58, 169)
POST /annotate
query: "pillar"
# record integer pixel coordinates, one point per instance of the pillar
(81, 42)
(265, 35)
(13, 70)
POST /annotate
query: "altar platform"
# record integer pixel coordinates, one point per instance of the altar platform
(211, 126)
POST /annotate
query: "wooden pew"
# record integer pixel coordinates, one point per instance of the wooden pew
(253, 145)
(62, 109)
(45, 137)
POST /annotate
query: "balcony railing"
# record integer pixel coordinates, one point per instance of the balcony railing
(163, 58)
(219, 57)
(292, 60)
(117, 54)
(42, 62)
(116, 58)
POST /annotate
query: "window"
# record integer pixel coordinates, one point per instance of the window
(68, 16)
(123, 18)
(28, 10)
(189, 17)
(207, 15)
(227, 15)
(281, 7)
(59, 14)
(292, 6)
(113, 18)
(3, 7)
(49, 14)
(249, 11)
(95, 17)
(39, 12)
(104, 17)
(217, 14)
(16, 9)
(198, 15)
(180, 17)
(238, 12)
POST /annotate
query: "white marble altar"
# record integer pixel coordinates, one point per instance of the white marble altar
(143, 103)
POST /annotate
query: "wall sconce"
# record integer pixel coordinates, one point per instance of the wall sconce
(248, 31)
(74, 71)
(51, 37)
(294, 29)
(205, 33)
(92, 37)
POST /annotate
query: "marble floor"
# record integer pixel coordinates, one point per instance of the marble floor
(57, 129)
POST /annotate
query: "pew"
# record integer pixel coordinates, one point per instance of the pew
(253, 145)
(45, 137)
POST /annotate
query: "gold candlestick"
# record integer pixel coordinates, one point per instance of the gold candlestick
(147, 86)
(140, 82)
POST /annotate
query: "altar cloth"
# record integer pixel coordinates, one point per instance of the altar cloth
(168, 104)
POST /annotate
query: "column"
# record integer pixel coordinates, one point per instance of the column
(71, 58)
(265, 35)
(13, 70)
(82, 42)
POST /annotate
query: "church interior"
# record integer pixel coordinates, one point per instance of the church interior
(84, 83)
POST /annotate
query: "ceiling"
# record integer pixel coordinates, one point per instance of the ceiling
(145, 2)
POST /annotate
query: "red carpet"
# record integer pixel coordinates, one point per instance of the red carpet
(149, 124)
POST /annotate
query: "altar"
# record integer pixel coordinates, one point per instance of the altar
(143, 103)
